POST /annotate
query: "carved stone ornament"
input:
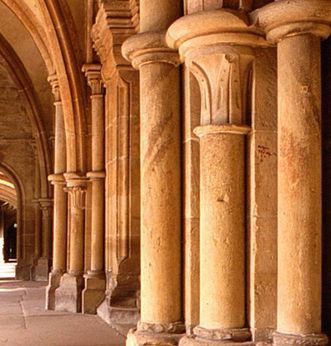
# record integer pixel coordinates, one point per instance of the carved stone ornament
(280, 339)
(171, 328)
(94, 80)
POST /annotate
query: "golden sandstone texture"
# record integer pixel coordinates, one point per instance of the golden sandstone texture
(166, 164)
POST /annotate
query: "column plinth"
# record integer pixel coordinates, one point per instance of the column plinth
(161, 313)
(298, 27)
(220, 56)
(68, 295)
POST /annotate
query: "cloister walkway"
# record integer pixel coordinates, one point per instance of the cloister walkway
(24, 322)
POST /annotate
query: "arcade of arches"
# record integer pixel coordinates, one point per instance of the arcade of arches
(167, 164)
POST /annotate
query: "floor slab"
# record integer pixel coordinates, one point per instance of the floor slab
(24, 321)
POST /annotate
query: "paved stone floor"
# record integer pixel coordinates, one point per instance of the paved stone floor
(24, 322)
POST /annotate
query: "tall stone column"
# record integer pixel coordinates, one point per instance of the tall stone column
(60, 201)
(42, 269)
(69, 295)
(161, 313)
(95, 281)
(298, 27)
(222, 69)
(37, 211)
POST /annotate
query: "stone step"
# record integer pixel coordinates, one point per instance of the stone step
(7, 270)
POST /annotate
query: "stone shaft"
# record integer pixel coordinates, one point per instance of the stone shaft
(76, 261)
(60, 227)
(97, 235)
(60, 197)
(299, 185)
(98, 150)
(160, 194)
(46, 208)
(222, 237)
(60, 140)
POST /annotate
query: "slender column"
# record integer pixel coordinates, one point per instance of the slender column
(37, 211)
(44, 262)
(68, 296)
(46, 206)
(60, 200)
(160, 176)
(223, 72)
(95, 283)
(299, 166)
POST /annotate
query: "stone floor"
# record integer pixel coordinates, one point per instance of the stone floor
(23, 321)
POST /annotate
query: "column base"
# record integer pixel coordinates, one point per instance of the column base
(280, 339)
(94, 293)
(23, 271)
(142, 338)
(42, 269)
(68, 297)
(118, 315)
(223, 335)
(53, 284)
(196, 341)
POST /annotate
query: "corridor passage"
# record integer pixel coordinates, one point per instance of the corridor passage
(24, 322)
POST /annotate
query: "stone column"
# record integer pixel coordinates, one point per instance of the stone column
(43, 266)
(95, 283)
(161, 313)
(68, 295)
(222, 71)
(60, 201)
(2, 235)
(37, 211)
(298, 27)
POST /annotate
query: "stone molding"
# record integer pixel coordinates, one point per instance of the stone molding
(221, 27)
(167, 328)
(281, 339)
(116, 20)
(222, 334)
(203, 5)
(96, 175)
(286, 18)
(57, 179)
(201, 131)
(147, 48)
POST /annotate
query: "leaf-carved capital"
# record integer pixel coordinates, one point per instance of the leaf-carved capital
(224, 79)
(76, 187)
(94, 78)
(54, 82)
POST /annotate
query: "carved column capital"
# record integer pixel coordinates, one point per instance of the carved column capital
(94, 78)
(54, 82)
(147, 48)
(223, 65)
(76, 187)
(46, 205)
(285, 18)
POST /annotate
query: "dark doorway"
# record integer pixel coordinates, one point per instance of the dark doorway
(10, 243)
